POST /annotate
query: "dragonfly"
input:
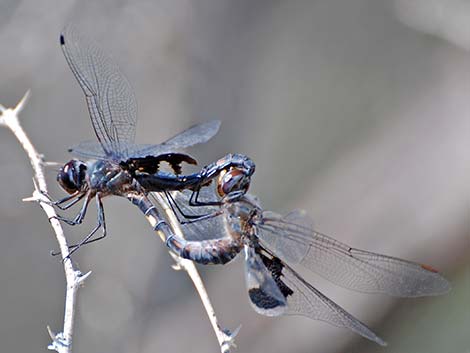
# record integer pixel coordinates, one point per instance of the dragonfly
(115, 164)
(273, 243)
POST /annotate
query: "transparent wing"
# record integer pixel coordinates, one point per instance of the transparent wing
(209, 228)
(109, 96)
(275, 289)
(307, 301)
(200, 133)
(293, 240)
(88, 150)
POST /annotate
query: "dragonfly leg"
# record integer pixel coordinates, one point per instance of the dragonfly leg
(80, 216)
(71, 203)
(100, 224)
(203, 217)
(193, 200)
(175, 207)
(75, 197)
(244, 169)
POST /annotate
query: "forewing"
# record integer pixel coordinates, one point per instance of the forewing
(109, 96)
(197, 134)
(88, 150)
(194, 135)
(292, 239)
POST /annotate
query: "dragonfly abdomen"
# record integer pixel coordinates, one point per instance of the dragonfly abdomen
(162, 181)
(212, 251)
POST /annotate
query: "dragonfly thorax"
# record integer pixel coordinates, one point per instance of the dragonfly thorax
(71, 176)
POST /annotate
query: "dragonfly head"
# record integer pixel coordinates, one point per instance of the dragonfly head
(71, 176)
(234, 183)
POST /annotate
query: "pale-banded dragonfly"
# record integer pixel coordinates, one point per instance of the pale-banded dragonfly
(273, 243)
(116, 165)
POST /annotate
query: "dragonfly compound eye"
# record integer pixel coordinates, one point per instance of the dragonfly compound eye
(71, 176)
(235, 180)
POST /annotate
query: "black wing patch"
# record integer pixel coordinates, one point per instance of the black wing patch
(151, 164)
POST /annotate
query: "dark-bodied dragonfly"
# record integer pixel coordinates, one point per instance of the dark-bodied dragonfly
(273, 243)
(116, 165)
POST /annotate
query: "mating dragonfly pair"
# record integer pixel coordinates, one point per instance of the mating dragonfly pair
(218, 217)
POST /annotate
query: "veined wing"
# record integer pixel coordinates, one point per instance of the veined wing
(109, 96)
(200, 133)
(88, 150)
(308, 301)
(293, 240)
(196, 134)
(199, 229)
(292, 295)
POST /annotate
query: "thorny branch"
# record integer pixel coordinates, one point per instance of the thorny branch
(62, 341)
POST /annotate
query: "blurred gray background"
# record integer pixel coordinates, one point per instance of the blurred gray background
(356, 110)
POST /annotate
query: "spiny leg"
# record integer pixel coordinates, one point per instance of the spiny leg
(173, 204)
(71, 203)
(193, 200)
(100, 224)
(80, 216)
(206, 216)
(75, 197)
(233, 196)
(191, 218)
